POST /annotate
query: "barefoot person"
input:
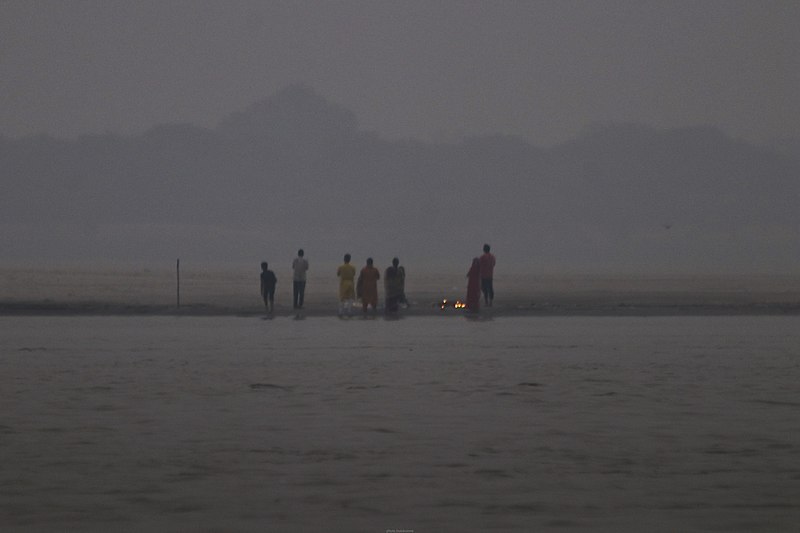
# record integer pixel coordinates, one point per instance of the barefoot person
(347, 293)
(368, 285)
(268, 282)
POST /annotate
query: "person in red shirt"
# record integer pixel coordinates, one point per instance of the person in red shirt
(487, 262)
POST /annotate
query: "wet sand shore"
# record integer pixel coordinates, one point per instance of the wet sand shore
(616, 304)
(217, 293)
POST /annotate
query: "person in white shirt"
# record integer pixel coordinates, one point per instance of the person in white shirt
(300, 267)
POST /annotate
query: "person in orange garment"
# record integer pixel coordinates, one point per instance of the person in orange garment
(368, 286)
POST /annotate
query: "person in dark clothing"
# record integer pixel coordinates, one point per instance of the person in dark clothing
(268, 282)
(393, 281)
(487, 262)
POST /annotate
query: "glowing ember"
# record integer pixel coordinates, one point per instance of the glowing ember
(456, 304)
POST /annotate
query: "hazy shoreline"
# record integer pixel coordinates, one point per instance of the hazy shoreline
(44, 292)
(599, 307)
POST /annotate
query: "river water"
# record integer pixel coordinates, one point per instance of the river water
(432, 423)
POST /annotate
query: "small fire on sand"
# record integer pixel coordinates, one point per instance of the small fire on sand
(456, 304)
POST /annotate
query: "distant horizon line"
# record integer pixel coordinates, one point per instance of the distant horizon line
(512, 269)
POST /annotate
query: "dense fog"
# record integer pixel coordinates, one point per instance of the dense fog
(294, 170)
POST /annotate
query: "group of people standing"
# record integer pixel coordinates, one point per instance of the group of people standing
(269, 280)
(365, 287)
(479, 280)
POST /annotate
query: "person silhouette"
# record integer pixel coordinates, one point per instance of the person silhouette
(487, 262)
(347, 274)
(474, 287)
(268, 282)
(368, 285)
(393, 284)
(299, 269)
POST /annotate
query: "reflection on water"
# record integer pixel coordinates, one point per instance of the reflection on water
(518, 424)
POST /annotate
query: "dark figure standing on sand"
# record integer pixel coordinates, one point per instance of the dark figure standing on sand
(368, 286)
(401, 272)
(393, 284)
(299, 269)
(268, 282)
(487, 273)
(347, 294)
(474, 287)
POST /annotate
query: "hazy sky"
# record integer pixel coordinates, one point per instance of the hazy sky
(434, 70)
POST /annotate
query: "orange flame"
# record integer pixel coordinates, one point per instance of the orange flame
(445, 303)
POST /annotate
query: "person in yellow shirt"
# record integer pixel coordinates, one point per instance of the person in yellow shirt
(347, 287)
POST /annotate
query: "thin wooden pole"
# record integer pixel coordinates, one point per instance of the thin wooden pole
(178, 269)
